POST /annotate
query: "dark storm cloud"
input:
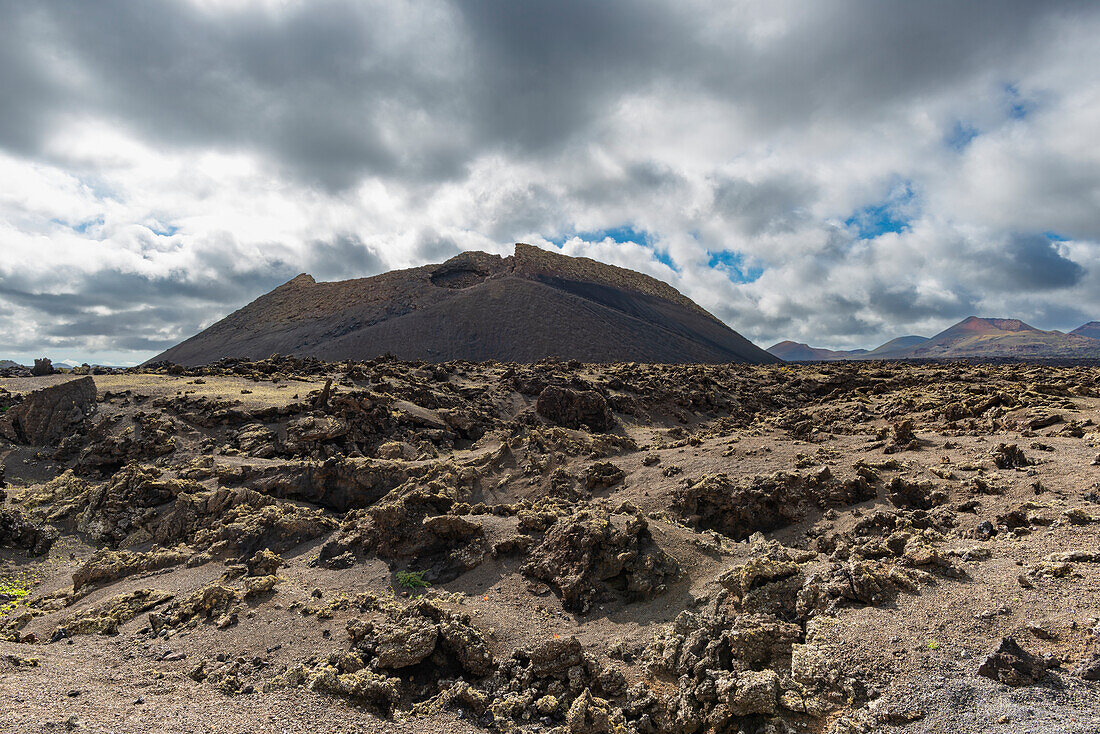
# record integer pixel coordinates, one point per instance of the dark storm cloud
(134, 309)
(153, 312)
(904, 303)
(114, 289)
(544, 71)
(313, 88)
(773, 205)
(341, 258)
(434, 247)
(831, 313)
(1032, 262)
(325, 90)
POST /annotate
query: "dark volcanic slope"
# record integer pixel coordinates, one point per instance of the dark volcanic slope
(1091, 330)
(790, 351)
(477, 306)
(895, 346)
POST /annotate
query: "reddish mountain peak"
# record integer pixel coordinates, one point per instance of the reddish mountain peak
(979, 325)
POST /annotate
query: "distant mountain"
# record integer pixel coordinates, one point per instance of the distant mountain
(896, 346)
(973, 338)
(789, 351)
(1002, 338)
(1091, 330)
(477, 306)
(6, 363)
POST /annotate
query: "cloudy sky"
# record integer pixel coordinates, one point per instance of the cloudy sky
(837, 172)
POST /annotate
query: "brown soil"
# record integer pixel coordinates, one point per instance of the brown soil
(832, 548)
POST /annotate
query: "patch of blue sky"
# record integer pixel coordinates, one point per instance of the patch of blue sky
(621, 234)
(80, 227)
(163, 230)
(892, 214)
(1055, 237)
(1017, 106)
(732, 263)
(960, 136)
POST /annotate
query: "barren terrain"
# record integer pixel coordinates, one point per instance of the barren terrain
(290, 545)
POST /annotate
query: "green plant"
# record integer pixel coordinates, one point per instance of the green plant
(412, 579)
(12, 590)
(933, 645)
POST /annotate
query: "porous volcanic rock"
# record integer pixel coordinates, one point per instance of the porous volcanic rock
(18, 531)
(593, 555)
(1013, 665)
(573, 409)
(42, 367)
(48, 415)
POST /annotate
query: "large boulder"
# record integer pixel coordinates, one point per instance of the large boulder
(1089, 669)
(592, 715)
(42, 367)
(573, 409)
(418, 632)
(1013, 665)
(594, 556)
(18, 531)
(740, 508)
(48, 415)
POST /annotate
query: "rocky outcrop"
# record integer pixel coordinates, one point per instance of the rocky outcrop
(238, 522)
(770, 580)
(1089, 669)
(336, 484)
(574, 409)
(413, 528)
(1013, 665)
(738, 510)
(48, 415)
(106, 617)
(121, 506)
(725, 667)
(422, 630)
(107, 565)
(594, 556)
(1010, 456)
(210, 603)
(112, 442)
(42, 367)
(19, 531)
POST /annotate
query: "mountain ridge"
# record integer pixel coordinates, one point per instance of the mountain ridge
(477, 306)
(973, 337)
(1091, 330)
(792, 351)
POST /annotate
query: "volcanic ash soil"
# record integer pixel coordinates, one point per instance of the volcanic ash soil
(290, 545)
